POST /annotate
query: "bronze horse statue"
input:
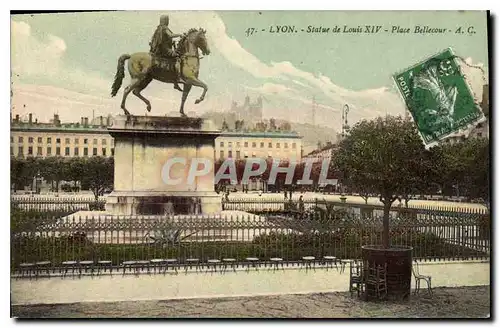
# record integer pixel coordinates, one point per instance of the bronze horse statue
(142, 70)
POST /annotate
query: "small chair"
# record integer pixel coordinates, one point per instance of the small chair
(228, 261)
(276, 261)
(212, 263)
(343, 263)
(157, 263)
(104, 264)
(143, 264)
(356, 277)
(252, 261)
(42, 266)
(330, 261)
(128, 264)
(192, 262)
(376, 280)
(85, 265)
(172, 263)
(309, 262)
(27, 268)
(418, 277)
(66, 265)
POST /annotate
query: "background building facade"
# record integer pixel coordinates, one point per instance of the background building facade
(241, 145)
(81, 139)
(324, 152)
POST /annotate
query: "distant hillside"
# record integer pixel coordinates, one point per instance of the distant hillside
(314, 134)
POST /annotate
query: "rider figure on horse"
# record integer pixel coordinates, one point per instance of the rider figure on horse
(161, 48)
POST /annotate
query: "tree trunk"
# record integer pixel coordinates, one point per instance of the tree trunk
(406, 202)
(385, 223)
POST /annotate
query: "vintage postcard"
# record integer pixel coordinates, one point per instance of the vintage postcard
(250, 164)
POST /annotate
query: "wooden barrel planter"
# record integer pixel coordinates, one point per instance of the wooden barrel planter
(399, 264)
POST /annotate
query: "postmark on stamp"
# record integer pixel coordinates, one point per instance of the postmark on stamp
(438, 97)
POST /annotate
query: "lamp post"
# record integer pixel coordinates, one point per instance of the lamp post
(345, 126)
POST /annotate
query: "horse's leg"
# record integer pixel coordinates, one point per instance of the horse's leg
(137, 91)
(185, 92)
(201, 84)
(130, 87)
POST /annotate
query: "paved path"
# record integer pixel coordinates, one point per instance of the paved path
(354, 199)
(230, 284)
(465, 302)
(278, 196)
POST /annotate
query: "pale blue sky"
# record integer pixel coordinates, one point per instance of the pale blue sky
(66, 62)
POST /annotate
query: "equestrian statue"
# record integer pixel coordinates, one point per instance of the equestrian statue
(165, 62)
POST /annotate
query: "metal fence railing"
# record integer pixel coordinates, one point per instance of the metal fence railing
(50, 204)
(278, 204)
(290, 235)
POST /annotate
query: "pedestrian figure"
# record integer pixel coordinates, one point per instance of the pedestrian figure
(301, 204)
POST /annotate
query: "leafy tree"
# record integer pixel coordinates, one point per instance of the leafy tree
(238, 125)
(285, 126)
(478, 176)
(261, 126)
(272, 124)
(453, 168)
(465, 168)
(32, 166)
(98, 175)
(75, 169)
(315, 174)
(52, 169)
(421, 174)
(18, 173)
(384, 156)
(365, 192)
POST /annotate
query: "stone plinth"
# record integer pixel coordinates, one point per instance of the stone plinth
(143, 144)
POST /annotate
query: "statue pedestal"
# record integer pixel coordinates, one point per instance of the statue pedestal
(143, 144)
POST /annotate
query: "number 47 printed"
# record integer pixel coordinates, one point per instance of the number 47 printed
(250, 31)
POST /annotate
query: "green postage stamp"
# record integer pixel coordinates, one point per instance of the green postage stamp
(439, 98)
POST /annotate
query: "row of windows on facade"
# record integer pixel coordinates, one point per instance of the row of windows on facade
(67, 151)
(238, 154)
(254, 144)
(58, 140)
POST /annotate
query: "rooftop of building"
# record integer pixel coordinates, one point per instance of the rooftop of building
(55, 125)
(98, 124)
(327, 147)
(260, 134)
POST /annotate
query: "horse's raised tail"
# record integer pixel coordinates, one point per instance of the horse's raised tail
(120, 74)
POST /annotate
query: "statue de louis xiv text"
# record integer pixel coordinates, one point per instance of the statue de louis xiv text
(361, 29)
